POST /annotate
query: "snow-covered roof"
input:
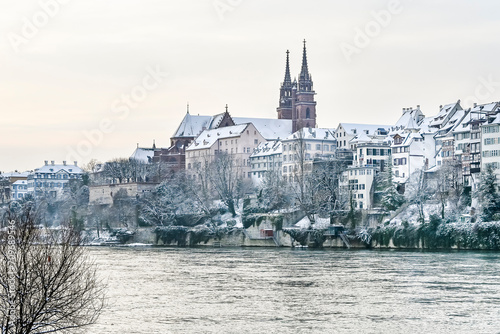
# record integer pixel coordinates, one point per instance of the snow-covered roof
(410, 119)
(444, 114)
(15, 174)
(53, 168)
(193, 125)
(208, 137)
(267, 148)
(269, 128)
(361, 138)
(313, 134)
(488, 107)
(356, 128)
(407, 138)
(143, 154)
(425, 125)
(452, 123)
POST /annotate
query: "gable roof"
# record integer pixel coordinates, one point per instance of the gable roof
(70, 169)
(193, 125)
(444, 114)
(143, 154)
(208, 137)
(268, 148)
(269, 128)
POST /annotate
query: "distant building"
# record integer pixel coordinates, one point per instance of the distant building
(19, 189)
(346, 132)
(52, 178)
(267, 157)
(370, 158)
(297, 98)
(238, 141)
(490, 140)
(303, 147)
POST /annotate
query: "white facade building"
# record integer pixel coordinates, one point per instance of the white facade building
(19, 189)
(238, 141)
(267, 157)
(305, 145)
(369, 159)
(345, 132)
(490, 144)
(52, 178)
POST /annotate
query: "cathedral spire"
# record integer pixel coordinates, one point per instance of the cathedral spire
(288, 79)
(304, 72)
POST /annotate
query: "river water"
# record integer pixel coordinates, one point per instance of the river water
(267, 290)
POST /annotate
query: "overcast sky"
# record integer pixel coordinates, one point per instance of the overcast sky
(67, 67)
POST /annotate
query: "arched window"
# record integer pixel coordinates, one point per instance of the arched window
(308, 113)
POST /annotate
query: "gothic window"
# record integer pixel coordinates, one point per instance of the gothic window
(308, 113)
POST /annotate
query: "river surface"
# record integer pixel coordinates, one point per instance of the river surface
(267, 290)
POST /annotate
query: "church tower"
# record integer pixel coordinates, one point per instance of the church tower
(303, 103)
(285, 105)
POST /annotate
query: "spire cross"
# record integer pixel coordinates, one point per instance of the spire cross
(226, 107)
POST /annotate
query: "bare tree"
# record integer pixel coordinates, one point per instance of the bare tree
(226, 179)
(417, 191)
(48, 283)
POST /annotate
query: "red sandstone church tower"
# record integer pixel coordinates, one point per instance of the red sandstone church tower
(297, 99)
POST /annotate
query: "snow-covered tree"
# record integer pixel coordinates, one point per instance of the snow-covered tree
(390, 199)
(227, 180)
(273, 192)
(488, 195)
(417, 192)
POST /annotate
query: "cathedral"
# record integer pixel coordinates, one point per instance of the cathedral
(296, 110)
(297, 98)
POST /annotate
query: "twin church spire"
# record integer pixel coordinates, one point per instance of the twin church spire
(297, 99)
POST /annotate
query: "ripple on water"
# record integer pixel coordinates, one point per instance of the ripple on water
(233, 290)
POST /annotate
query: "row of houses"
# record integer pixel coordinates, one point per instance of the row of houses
(51, 179)
(468, 139)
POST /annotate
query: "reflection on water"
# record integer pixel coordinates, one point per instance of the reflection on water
(246, 290)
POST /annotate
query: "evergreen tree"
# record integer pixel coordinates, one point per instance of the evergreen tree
(489, 198)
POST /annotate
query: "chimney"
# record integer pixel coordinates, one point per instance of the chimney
(418, 106)
(46, 162)
(475, 104)
(64, 163)
(52, 162)
(441, 106)
(75, 163)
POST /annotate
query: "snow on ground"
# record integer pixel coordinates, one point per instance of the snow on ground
(320, 223)
(410, 214)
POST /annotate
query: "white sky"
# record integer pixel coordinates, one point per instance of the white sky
(65, 77)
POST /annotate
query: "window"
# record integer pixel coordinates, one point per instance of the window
(284, 169)
(325, 147)
(308, 146)
(318, 147)
(490, 129)
(308, 113)
(256, 141)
